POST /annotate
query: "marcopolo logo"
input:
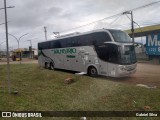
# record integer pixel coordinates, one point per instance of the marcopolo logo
(65, 51)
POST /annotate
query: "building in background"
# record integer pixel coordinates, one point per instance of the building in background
(24, 53)
(152, 38)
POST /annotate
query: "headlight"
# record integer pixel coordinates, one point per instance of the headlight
(123, 68)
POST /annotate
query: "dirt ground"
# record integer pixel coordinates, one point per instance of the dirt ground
(148, 74)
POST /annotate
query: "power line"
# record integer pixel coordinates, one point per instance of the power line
(92, 22)
(140, 7)
(114, 20)
(144, 6)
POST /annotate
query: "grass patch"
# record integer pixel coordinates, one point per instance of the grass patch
(44, 90)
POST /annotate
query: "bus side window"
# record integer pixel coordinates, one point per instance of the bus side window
(107, 37)
(101, 37)
(57, 44)
(86, 40)
(40, 46)
(63, 43)
(89, 39)
(82, 39)
(113, 53)
(52, 44)
(46, 45)
(74, 41)
(108, 53)
(68, 42)
(78, 41)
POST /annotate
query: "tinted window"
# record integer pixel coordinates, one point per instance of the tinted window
(45, 45)
(75, 42)
(39, 46)
(63, 43)
(78, 40)
(108, 52)
(68, 42)
(97, 38)
(85, 40)
(57, 44)
(52, 44)
(101, 37)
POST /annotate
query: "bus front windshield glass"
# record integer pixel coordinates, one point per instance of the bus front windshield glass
(128, 56)
(120, 36)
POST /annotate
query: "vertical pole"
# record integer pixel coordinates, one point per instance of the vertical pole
(8, 65)
(132, 27)
(19, 53)
(31, 50)
(0, 52)
(45, 30)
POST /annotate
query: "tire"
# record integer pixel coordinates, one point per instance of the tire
(92, 71)
(51, 67)
(46, 65)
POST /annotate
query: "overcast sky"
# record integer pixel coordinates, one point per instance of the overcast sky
(30, 16)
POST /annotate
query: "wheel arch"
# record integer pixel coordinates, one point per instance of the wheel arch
(92, 65)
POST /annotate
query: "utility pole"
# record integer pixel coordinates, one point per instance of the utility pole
(132, 23)
(45, 31)
(30, 48)
(132, 26)
(8, 64)
(6, 27)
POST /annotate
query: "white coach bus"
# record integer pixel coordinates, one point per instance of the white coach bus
(105, 52)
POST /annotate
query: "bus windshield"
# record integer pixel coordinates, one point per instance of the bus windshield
(128, 56)
(120, 36)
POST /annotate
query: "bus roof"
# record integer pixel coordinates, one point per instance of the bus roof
(79, 34)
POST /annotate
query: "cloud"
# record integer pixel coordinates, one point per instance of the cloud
(30, 16)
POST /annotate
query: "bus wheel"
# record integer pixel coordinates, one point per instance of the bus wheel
(46, 65)
(51, 66)
(92, 71)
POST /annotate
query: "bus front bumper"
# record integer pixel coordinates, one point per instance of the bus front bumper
(123, 71)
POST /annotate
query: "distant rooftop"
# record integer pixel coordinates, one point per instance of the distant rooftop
(143, 31)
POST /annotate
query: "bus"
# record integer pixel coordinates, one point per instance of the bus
(106, 52)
